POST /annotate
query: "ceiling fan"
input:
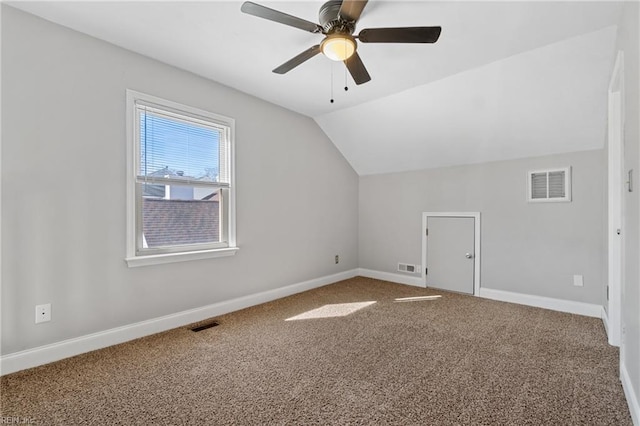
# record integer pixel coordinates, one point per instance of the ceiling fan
(338, 20)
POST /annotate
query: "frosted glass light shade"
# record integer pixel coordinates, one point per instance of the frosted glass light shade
(338, 48)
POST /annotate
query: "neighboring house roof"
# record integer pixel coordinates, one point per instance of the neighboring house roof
(209, 175)
(172, 222)
(215, 196)
(166, 172)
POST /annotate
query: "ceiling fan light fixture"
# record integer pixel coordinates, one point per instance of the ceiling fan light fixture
(338, 47)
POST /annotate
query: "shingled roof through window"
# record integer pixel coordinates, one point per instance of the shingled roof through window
(173, 222)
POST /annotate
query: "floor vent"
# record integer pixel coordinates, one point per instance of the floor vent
(205, 326)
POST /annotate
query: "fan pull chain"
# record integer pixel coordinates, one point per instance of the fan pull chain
(331, 83)
(345, 67)
(345, 77)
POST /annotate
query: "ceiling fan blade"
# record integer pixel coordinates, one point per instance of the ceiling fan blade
(280, 17)
(357, 69)
(297, 60)
(352, 9)
(400, 35)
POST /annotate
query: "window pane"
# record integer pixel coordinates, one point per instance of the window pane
(176, 148)
(154, 191)
(181, 182)
(185, 215)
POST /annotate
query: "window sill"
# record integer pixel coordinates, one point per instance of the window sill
(157, 259)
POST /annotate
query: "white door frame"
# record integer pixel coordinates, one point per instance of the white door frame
(476, 255)
(615, 226)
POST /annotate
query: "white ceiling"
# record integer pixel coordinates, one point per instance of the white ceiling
(505, 80)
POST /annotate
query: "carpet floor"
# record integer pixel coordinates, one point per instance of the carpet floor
(360, 351)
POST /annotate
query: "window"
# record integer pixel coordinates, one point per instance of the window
(180, 186)
(549, 185)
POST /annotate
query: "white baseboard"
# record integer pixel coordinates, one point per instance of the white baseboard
(572, 307)
(580, 308)
(67, 348)
(630, 394)
(605, 321)
(389, 276)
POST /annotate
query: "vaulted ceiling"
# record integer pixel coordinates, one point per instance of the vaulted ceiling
(505, 80)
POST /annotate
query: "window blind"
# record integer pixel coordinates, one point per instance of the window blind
(179, 148)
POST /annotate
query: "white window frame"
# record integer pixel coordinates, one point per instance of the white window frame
(136, 257)
(567, 186)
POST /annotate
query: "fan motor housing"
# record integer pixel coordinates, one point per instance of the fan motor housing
(330, 20)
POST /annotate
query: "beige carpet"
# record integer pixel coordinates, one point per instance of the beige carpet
(444, 360)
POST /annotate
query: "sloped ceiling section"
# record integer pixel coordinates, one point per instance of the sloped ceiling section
(548, 100)
(506, 79)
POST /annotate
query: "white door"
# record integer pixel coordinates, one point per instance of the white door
(616, 204)
(450, 253)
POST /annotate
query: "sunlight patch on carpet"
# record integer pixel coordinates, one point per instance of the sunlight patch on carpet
(417, 298)
(331, 311)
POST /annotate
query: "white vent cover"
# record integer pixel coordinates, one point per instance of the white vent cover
(549, 185)
(406, 267)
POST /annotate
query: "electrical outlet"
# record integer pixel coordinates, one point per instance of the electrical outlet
(43, 313)
(578, 281)
(337, 259)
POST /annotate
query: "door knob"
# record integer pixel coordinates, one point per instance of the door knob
(468, 255)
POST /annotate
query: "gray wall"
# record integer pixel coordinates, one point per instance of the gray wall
(628, 35)
(530, 248)
(63, 190)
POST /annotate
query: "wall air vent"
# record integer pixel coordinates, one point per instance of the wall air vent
(406, 267)
(549, 185)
